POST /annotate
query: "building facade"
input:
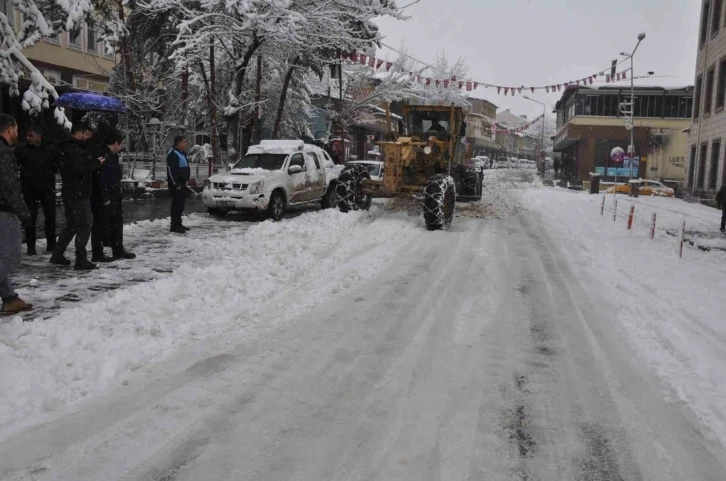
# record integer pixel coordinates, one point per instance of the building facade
(590, 125)
(521, 145)
(481, 118)
(705, 160)
(68, 62)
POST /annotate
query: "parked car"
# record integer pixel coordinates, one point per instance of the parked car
(483, 161)
(502, 163)
(647, 187)
(271, 177)
(375, 167)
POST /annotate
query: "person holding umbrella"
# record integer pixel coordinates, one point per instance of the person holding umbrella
(76, 168)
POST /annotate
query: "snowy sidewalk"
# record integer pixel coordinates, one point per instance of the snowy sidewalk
(670, 309)
(182, 290)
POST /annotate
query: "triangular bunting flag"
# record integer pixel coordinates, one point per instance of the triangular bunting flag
(532, 88)
(353, 56)
(378, 64)
(388, 66)
(607, 79)
(371, 62)
(446, 84)
(437, 83)
(363, 59)
(428, 82)
(476, 84)
(461, 85)
(625, 75)
(499, 90)
(547, 88)
(468, 86)
(506, 90)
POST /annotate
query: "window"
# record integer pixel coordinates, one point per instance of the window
(704, 23)
(716, 18)
(297, 159)
(702, 165)
(74, 40)
(697, 106)
(692, 166)
(708, 99)
(91, 40)
(316, 160)
(721, 88)
(713, 174)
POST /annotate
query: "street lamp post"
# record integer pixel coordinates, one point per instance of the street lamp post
(631, 147)
(544, 112)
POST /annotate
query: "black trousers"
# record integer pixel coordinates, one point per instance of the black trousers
(108, 223)
(78, 224)
(723, 219)
(178, 199)
(46, 200)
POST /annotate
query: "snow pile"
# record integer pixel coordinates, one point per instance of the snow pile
(52, 364)
(251, 171)
(495, 202)
(669, 309)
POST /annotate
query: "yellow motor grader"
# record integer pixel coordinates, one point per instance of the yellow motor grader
(424, 162)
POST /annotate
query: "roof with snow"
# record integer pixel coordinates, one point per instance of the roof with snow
(510, 118)
(571, 90)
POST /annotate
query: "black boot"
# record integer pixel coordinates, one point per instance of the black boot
(185, 228)
(59, 259)
(50, 246)
(31, 250)
(124, 254)
(177, 229)
(83, 264)
(101, 258)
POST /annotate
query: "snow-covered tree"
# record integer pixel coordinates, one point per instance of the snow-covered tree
(45, 19)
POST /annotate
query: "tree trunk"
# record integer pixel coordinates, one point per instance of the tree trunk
(283, 98)
(234, 120)
(212, 103)
(185, 99)
(258, 85)
(126, 51)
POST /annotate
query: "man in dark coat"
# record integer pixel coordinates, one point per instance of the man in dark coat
(12, 209)
(178, 173)
(721, 201)
(76, 167)
(107, 207)
(37, 176)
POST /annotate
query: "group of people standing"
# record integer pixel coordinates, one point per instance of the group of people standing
(91, 194)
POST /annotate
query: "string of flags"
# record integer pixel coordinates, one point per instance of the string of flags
(521, 128)
(470, 85)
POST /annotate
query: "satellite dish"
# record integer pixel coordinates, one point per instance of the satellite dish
(427, 150)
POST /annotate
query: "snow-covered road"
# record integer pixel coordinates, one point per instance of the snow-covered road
(386, 353)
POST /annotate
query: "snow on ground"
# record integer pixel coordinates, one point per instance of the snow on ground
(670, 309)
(224, 277)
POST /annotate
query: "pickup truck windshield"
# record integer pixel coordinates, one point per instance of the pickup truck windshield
(261, 161)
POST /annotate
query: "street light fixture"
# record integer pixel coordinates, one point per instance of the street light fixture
(631, 123)
(544, 112)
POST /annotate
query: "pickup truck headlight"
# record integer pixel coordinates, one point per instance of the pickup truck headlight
(256, 188)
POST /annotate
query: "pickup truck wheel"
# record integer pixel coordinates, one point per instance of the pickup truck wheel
(216, 212)
(349, 189)
(329, 199)
(276, 207)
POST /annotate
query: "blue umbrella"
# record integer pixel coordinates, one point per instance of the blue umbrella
(90, 101)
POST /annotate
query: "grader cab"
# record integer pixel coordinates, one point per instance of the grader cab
(425, 163)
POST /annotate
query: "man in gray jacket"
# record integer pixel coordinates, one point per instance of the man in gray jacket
(12, 209)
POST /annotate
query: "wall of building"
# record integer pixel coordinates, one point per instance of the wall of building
(709, 128)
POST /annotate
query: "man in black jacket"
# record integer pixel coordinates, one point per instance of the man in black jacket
(12, 209)
(721, 201)
(178, 174)
(107, 207)
(37, 176)
(76, 168)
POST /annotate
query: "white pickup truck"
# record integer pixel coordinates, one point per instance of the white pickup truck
(271, 177)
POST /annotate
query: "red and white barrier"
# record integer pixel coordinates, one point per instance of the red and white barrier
(652, 227)
(681, 236)
(602, 206)
(615, 211)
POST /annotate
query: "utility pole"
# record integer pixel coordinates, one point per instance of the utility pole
(630, 120)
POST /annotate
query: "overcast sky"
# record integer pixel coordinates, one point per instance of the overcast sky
(541, 42)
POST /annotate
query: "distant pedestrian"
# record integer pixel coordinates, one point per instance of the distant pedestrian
(37, 177)
(106, 202)
(76, 168)
(721, 201)
(178, 174)
(556, 167)
(12, 209)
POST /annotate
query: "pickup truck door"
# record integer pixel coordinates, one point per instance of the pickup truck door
(298, 182)
(318, 176)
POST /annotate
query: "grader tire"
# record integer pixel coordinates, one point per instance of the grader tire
(439, 202)
(349, 189)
